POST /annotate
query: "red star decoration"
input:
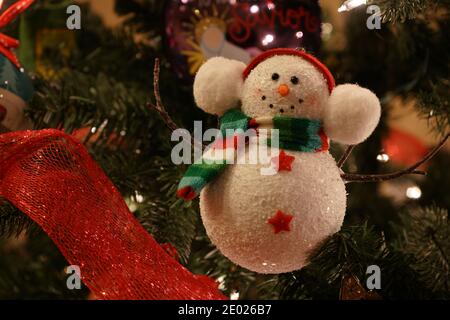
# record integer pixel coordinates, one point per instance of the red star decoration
(283, 162)
(280, 222)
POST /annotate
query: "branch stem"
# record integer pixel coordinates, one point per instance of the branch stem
(345, 156)
(349, 177)
(161, 109)
(159, 106)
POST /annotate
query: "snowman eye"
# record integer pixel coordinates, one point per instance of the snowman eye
(295, 80)
(275, 76)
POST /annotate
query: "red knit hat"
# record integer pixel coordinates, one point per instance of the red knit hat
(292, 52)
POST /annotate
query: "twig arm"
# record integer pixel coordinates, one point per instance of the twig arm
(159, 107)
(345, 156)
(348, 177)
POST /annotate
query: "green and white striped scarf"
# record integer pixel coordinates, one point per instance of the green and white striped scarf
(296, 134)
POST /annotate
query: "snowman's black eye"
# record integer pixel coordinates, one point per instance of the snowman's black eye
(295, 80)
(275, 76)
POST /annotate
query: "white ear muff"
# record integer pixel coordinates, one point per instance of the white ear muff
(218, 85)
(352, 114)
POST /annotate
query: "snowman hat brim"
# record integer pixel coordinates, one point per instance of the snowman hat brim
(292, 52)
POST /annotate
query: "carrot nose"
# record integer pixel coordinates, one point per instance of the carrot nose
(283, 90)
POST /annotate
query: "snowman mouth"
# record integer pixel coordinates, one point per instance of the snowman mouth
(283, 108)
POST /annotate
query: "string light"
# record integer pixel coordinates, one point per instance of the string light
(254, 9)
(299, 34)
(139, 198)
(101, 128)
(327, 28)
(103, 125)
(269, 38)
(221, 281)
(132, 206)
(383, 157)
(414, 193)
(351, 4)
(234, 295)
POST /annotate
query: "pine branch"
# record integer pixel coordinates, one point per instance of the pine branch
(433, 103)
(401, 10)
(206, 258)
(350, 251)
(13, 222)
(162, 213)
(424, 236)
(34, 270)
(164, 217)
(435, 187)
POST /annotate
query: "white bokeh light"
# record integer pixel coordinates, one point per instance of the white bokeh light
(139, 198)
(351, 4)
(414, 193)
(383, 157)
(268, 39)
(254, 9)
(234, 295)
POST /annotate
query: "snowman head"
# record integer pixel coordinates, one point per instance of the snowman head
(286, 82)
(283, 82)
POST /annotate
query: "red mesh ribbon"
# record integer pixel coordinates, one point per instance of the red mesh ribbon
(51, 178)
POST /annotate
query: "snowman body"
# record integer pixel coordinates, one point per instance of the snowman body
(237, 207)
(271, 223)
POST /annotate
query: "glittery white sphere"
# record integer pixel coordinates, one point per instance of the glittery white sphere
(236, 207)
(239, 208)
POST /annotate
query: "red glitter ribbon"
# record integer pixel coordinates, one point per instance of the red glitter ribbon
(7, 43)
(50, 177)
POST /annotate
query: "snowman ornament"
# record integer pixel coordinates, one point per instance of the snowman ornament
(271, 223)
